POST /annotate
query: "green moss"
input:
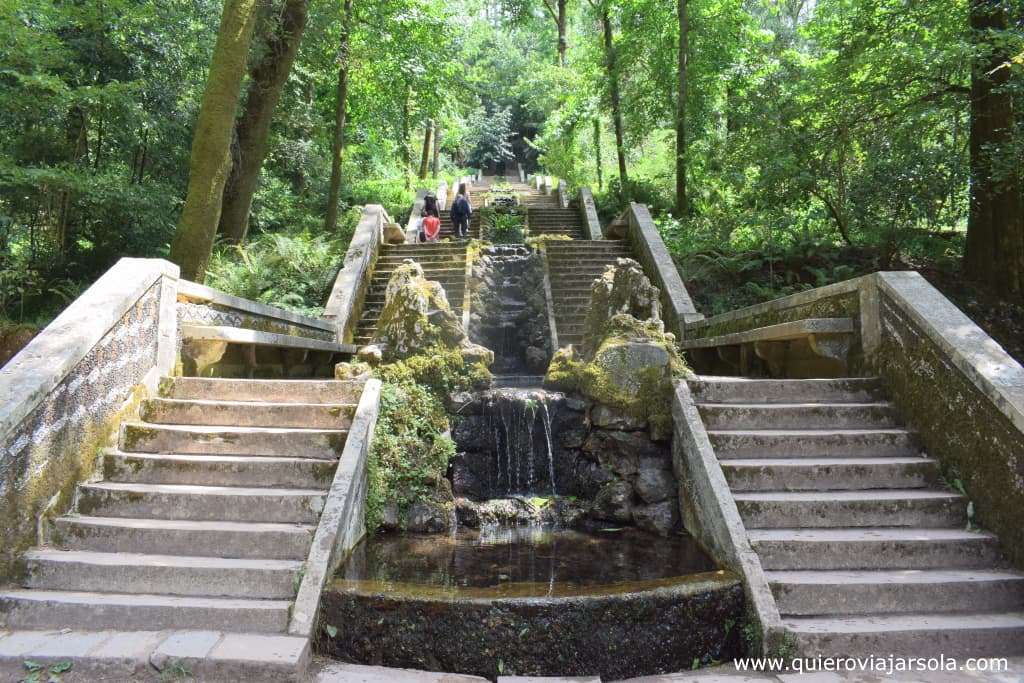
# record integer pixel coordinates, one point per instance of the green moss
(51, 491)
(563, 372)
(411, 447)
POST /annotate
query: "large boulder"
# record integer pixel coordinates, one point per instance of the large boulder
(417, 317)
(622, 289)
(627, 362)
(614, 502)
(659, 518)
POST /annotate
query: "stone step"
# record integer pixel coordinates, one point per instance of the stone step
(183, 537)
(441, 260)
(874, 548)
(919, 635)
(434, 272)
(34, 609)
(568, 267)
(720, 416)
(816, 474)
(740, 390)
(876, 508)
(119, 656)
(591, 246)
(210, 503)
(796, 443)
(246, 414)
(896, 591)
(87, 571)
(275, 391)
(452, 249)
(218, 470)
(137, 437)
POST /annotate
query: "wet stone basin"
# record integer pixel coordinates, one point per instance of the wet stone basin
(615, 603)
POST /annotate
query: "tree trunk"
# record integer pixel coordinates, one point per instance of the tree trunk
(995, 224)
(211, 142)
(613, 84)
(267, 79)
(597, 153)
(681, 151)
(437, 149)
(428, 132)
(406, 148)
(562, 21)
(340, 104)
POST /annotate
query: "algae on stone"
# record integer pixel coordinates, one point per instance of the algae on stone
(417, 316)
(627, 362)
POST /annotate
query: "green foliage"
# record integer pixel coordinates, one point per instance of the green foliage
(411, 446)
(291, 271)
(488, 137)
(502, 228)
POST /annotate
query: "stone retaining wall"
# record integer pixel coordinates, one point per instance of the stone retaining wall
(614, 636)
(63, 395)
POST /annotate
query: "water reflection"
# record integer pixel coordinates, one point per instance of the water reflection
(520, 562)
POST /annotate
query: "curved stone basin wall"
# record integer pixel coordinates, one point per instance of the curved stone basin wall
(562, 603)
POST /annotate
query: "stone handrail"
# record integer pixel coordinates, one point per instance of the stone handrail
(202, 305)
(344, 306)
(959, 390)
(648, 247)
(415, 213)
(522, 172)
(343, 520)
(588, 210)
(62, 396)
(710, 514)
(442, 195)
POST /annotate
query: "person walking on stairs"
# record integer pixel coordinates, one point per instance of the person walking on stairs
(461, 212)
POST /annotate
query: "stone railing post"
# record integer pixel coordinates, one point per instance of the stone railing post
(651, 251)
(345, 303)
(588, 211)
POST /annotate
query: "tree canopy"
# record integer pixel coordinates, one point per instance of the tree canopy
(886, 128)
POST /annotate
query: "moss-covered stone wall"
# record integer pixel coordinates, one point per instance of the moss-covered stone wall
(55, 446)
(959, 425)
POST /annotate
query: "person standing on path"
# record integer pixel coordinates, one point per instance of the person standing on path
(461, 212)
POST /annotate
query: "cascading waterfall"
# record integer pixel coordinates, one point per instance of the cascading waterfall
(513, 417)
(551, 452)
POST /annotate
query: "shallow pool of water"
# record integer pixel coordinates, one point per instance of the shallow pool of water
(520, 562)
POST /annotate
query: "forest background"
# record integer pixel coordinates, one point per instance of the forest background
(780, 145)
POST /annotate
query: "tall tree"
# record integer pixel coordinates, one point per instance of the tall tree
(995, 227)
(681, 151)
(428, 132)
(211, 143)
(612, 68)
(559, 11)
(267, 79)
(437, 149)
(597, 153)
(340, 109)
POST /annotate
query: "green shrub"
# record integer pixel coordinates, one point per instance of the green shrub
(293, 271)
(411, 447)
(503, 228)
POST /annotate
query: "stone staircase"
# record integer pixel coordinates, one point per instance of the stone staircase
(441, 261)
(554, 220)
(572, 267)
(187, 556)
(448, 228)
(865, 550)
